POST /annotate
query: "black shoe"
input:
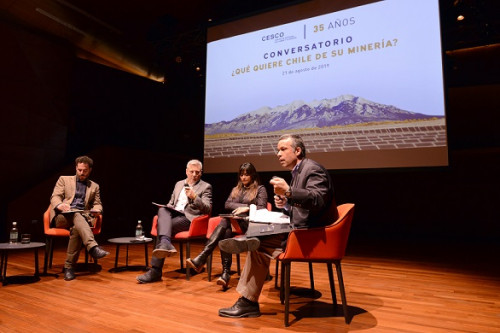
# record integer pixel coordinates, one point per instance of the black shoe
(152, 275)
(98, 252)
(242, 308)
(190, 263)
(164, 249)
(239, 244)
(69, 274)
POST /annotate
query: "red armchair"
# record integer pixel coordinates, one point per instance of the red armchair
(197, 231)
(318, 245)
(50, 233)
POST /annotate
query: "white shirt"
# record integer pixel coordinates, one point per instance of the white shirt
(182, 201)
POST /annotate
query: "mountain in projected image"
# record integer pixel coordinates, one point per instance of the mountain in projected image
(343, 110)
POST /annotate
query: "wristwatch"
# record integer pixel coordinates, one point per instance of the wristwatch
(288, 192)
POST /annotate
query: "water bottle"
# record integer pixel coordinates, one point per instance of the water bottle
(139, 232)
(13, 233)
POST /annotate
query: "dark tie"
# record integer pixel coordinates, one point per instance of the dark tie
(292, 186)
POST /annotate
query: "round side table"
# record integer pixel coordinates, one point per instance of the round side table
(129, 241)
(5, 248)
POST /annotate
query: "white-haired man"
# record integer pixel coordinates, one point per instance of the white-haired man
(191, 198)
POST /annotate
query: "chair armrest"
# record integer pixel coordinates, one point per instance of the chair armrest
(213, 222)
(96, 229)
(199, 226)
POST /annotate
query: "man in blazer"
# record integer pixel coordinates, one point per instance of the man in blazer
(308, 200)
(81, 194)
(191, 198)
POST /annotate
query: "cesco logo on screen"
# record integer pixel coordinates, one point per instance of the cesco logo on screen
(278, 35)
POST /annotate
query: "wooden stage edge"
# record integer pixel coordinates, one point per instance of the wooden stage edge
(452, 289)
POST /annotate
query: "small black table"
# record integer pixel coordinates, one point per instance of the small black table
(5, 248)
(129, 241)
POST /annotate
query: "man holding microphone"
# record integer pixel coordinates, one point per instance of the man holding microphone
(308, 200)
(191, 198)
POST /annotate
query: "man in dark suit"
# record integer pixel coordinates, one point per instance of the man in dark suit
(77, 193)
(191, 197)
(308, 200)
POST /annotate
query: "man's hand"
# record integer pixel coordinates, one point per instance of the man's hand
(280, 201)
(64, 207)
(191, 194)
(280, 186)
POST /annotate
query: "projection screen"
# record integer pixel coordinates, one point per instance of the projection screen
(360, 81)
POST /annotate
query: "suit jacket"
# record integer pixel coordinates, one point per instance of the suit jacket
(202, 204)
(312, 199)
(64, 192)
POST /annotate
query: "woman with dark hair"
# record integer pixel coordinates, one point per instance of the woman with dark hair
(247, 191)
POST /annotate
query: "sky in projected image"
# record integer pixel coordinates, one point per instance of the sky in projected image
(401, 65)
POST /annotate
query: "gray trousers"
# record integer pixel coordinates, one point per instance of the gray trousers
(80, 232)
(256, 267)
(171, 223)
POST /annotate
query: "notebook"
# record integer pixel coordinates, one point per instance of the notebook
(263, 222)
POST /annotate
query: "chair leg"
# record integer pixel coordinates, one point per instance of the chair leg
(87, 258)
(181, 250)
(342, 292)
(47, 254)
(209, 267)
(238, 265)
(287, 267)
(276, 274)
(51, 251)
(332, 286)
(188, 255)
(311, 277)
(282, 283)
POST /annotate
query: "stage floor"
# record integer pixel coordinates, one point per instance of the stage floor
(388, 290)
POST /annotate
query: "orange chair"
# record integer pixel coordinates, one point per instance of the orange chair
(318, 245)
(197, 230)
(50, 233)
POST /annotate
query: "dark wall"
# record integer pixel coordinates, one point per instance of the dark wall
(141, 134)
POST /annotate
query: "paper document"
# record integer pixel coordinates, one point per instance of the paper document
(265, 216)
(236, 217)
(73, 211)
(170, 208)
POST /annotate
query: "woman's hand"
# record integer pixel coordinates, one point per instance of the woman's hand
(241, 210)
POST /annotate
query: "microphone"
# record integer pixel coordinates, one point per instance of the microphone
(186, 186)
